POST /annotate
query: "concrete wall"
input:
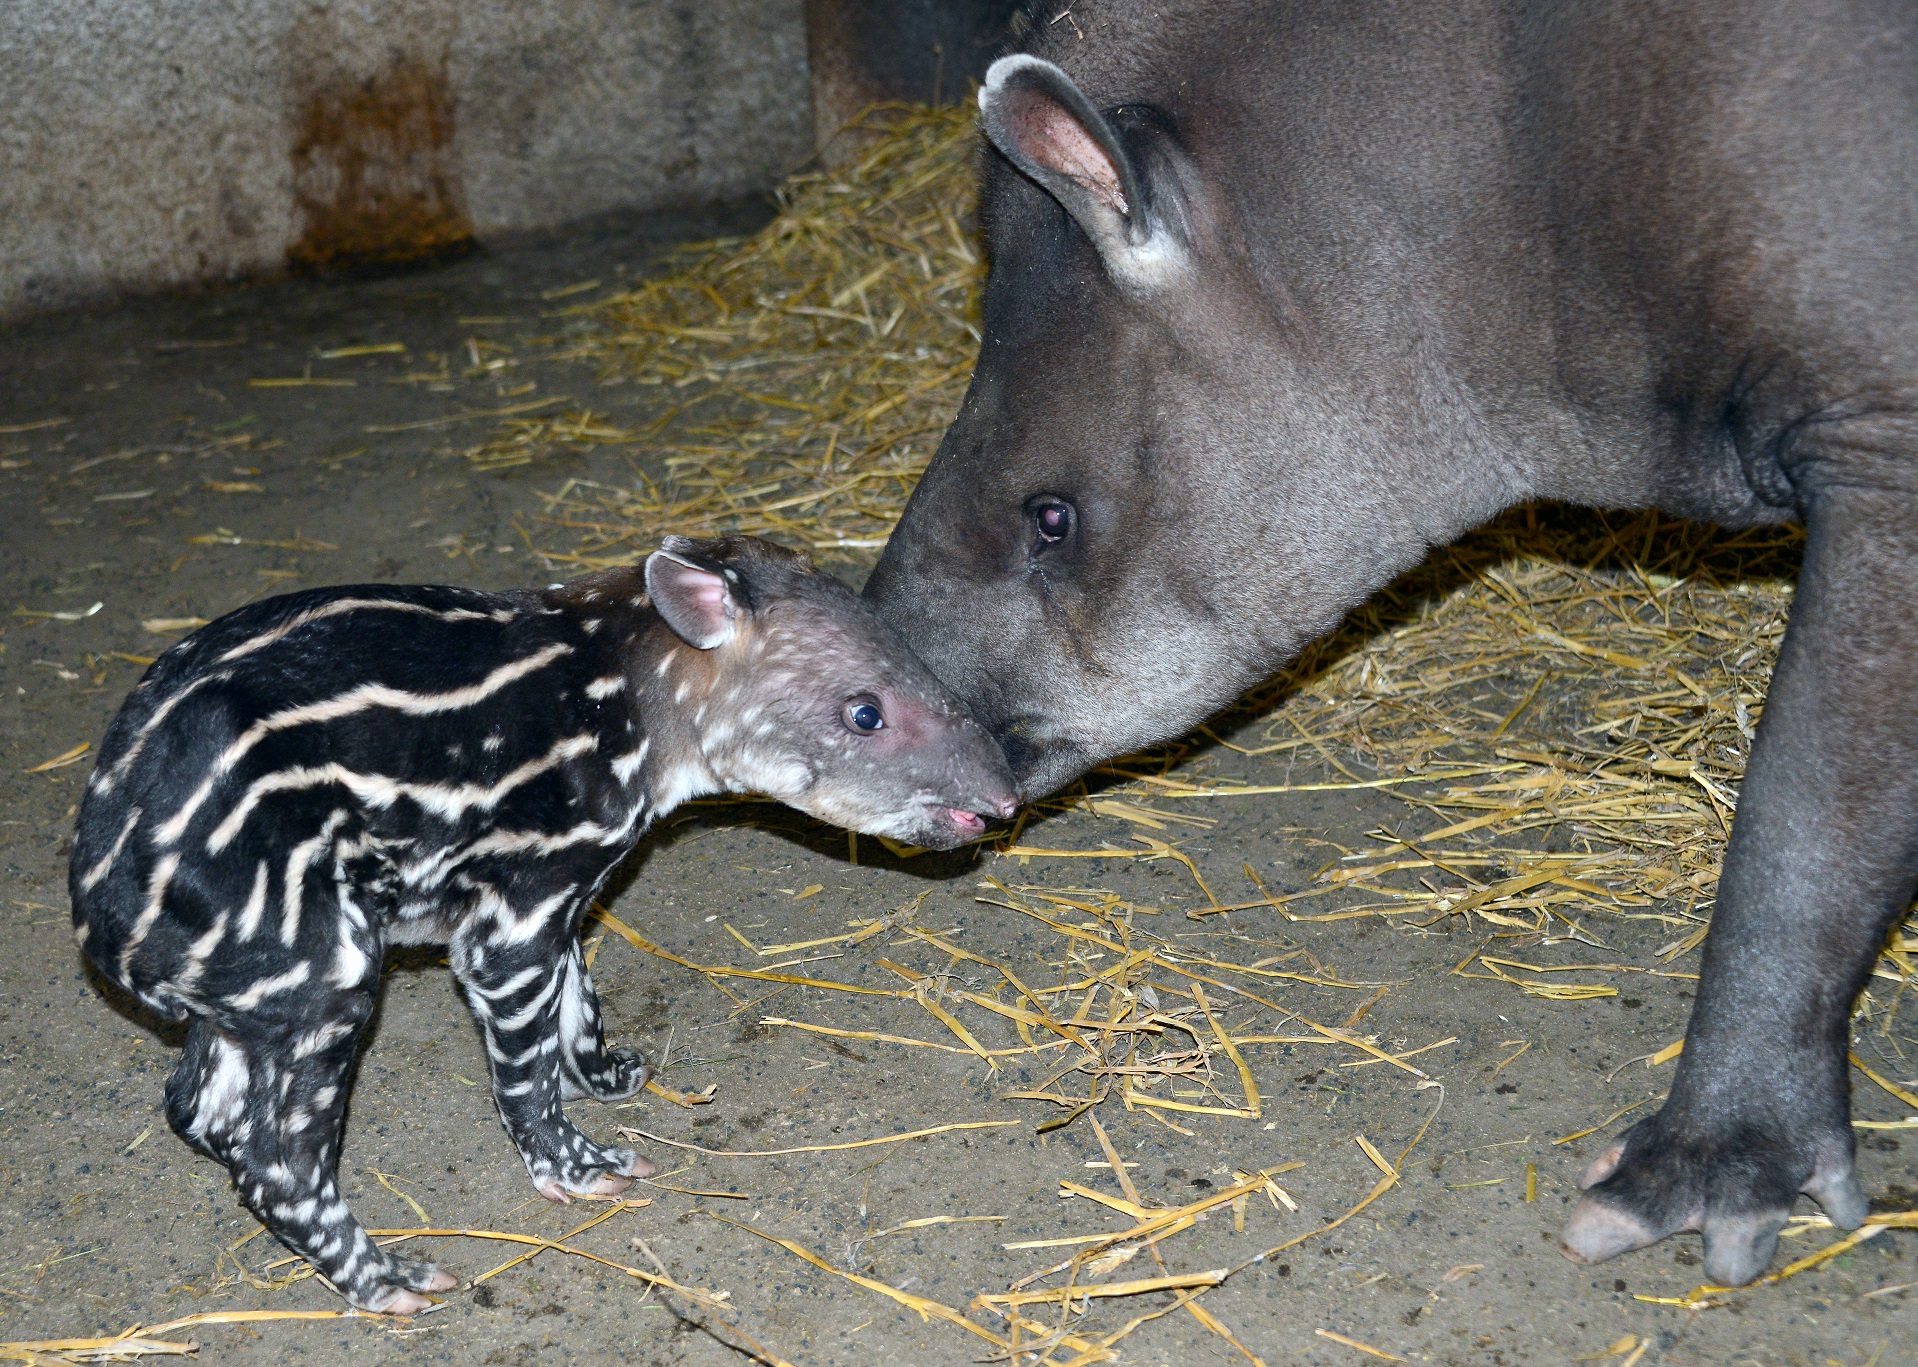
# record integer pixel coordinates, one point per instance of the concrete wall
(867, 52)
(146, 143)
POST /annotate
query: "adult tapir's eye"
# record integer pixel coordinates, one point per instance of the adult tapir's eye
(863, 715)
(1051, 520)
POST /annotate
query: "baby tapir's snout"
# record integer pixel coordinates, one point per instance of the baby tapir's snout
(809, 697)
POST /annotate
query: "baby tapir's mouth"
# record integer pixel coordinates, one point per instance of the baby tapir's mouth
(960, 824)
(969, 823)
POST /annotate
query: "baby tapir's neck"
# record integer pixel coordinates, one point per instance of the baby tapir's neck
(655, 695)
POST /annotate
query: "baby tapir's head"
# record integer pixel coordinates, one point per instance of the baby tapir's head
(793, 687)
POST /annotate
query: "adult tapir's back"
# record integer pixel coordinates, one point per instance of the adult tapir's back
(1729, 193)
(1282, 294)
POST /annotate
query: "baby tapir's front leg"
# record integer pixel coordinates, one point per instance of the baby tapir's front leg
(535, 1007)
(267, 1098)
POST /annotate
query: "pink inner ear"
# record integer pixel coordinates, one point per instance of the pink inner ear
(695, 602)
(706, 595)
(1059, 142)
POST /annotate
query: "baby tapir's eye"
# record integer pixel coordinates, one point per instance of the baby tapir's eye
(863, 715)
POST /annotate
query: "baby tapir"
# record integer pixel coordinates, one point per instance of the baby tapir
(315, 777)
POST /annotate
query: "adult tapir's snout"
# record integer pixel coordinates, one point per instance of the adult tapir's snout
(951, 593)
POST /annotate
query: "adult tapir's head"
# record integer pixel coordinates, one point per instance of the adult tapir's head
(1182, 455)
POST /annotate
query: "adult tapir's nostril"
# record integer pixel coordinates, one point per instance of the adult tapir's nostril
(1005, 807)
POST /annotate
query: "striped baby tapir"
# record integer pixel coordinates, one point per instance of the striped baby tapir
(316, 777)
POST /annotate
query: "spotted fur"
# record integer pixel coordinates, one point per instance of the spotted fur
(314, 778)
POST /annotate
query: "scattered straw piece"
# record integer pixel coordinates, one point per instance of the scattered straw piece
(1066, 1295)
(539, 1246)
(61, 760)
(634, 938)
(686, 1099)
(387, 1180)
(1621, 1111)
(926, 1309)
(879, 1037)
(1362, 1347)
(1874, 1225)
(633, 1133)
(1252, 1108)
(1909, 1098)
(139, 1341)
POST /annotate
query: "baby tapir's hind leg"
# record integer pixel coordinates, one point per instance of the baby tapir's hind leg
(515, 968)
(587, 1066)
(206, 1096)
(271, 1109)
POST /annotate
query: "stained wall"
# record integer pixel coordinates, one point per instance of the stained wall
(149, 143)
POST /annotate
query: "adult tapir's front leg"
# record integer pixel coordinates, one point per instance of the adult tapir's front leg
(1823, 858)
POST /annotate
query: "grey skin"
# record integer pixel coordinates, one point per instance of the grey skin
(1284, 294)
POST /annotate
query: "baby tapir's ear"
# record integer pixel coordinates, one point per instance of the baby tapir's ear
(699, 602)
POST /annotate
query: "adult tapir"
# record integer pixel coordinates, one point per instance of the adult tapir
(1285, 292)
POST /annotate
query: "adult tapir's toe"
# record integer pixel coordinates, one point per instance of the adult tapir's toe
(1603, 1166)
(1738, 1248)
(1598, 1230)
(1841, 1196)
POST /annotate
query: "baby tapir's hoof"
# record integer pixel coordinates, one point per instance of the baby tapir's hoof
(625, 1073)
(595, 1171)
(402, 1294)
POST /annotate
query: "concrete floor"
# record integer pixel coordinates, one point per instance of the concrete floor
(126, 433)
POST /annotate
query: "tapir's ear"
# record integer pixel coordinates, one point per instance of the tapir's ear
(698, 601)
(1046, 127)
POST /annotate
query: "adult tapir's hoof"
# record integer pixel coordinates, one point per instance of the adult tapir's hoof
(1645, 1186)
